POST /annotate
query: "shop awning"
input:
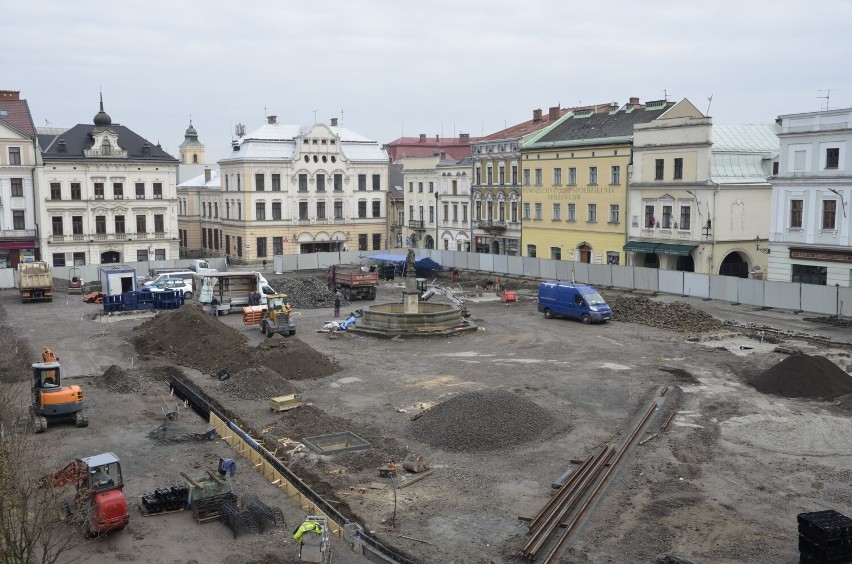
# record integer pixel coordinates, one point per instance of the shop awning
(8, 245)
(670, 249)
(640, 247)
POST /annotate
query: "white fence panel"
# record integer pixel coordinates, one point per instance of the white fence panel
(438, 256)
(516, 265)
(783, 295)
(7, 278)
(581, 272)
(548, 268)
(622, 277)
(462, 260)
(671, 282)
(532, 267)
(486, 262)
(750, 292)
(324, 260)
(696, 285)
(309, 261)
(563, 270)
(846, 302)
(599, 275)
(819, 299)
(723, 288)
(646, 279)
(450, 260)
(501, 264)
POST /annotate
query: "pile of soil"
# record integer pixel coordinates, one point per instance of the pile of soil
(482, 421)
(190, 337)
(258, 383)
(674, 316)
(804, 376)
(118, 381)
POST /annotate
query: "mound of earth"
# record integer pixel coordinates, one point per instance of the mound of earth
(118, 381)
(482, 421)
(189, 337)
(804, 376)
(258, 383)
(674, 316)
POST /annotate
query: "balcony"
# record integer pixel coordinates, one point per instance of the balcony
(17, 234)
(416, 224)
(491, 226)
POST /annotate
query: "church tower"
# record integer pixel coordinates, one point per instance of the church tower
(191, 150)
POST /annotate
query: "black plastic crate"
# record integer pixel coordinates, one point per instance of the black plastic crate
(837, 554)
(805, 532)
(824, 525)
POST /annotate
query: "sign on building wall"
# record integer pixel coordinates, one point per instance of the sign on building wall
(812, 254)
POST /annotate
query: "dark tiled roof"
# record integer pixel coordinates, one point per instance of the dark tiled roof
(17, 114)
(524, 128)
(78, 138)
(602, 125)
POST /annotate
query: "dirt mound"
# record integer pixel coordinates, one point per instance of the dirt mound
(258, 383)
(118, 381)
(804, 376)
(190, 337)
(674, 316)
(483, 420)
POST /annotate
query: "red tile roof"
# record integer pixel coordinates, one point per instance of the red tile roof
(456, 148)
(16, 112)
(539, 121)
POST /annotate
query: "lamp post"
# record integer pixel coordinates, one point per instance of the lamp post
(757, 246)
(437, 203)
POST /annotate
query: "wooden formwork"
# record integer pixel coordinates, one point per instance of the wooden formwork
(274, 477)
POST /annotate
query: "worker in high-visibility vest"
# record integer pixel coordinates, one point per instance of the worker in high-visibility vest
(305, 527)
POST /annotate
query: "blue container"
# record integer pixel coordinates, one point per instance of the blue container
(112, 303)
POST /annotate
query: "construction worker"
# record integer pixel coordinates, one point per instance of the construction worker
(306, 527)
(337, 304)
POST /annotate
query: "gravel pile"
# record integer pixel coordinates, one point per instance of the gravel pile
(674, 316)
(482, 421)
(305, 293)
(257, 383)
(804, 376)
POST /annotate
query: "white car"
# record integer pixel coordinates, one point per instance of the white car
(180, 284)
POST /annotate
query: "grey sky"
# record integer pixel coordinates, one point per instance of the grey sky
(394, 67)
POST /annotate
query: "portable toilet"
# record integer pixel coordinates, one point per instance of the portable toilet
(116, 279)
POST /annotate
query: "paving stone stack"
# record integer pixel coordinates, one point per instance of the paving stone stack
(825, 537)
(304, 293)
(674, 316)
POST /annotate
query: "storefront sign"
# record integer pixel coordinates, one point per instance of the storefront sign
(817, 254)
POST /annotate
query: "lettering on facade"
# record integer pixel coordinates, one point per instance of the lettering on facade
(833, 256)
(568, 193)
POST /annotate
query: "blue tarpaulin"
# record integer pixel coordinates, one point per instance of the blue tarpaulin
(424, 263)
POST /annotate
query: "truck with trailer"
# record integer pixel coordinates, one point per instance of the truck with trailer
(225, 291)
(353, 282)
(35, 281)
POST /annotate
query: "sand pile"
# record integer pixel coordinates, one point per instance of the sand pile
(189, 337)
(483, 420)
(804, 376)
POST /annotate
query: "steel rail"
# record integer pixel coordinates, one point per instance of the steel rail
(557, 498)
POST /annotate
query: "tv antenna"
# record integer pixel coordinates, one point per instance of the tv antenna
(827, 98)
(709, 101)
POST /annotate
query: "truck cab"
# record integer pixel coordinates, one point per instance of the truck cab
(574, 301)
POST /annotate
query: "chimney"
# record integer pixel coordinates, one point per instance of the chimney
(333, 122)
(271, 119)
(634, 101)
(10, 94)
(61, 147)
(537, 115)
(464, 136)
(553, 113)
(422, 137)
(206, 174)
(436, 137)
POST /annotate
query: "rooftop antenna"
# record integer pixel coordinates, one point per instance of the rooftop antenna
(315, 116)
(341, 116)
(665, 95)
(709, 101)
(827, 98)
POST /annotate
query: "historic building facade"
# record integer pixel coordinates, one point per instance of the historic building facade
(198, 215)
(453, 204)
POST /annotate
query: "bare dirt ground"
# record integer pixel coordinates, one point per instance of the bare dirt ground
(723, 484)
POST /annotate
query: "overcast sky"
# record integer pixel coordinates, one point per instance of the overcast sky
(402, 67)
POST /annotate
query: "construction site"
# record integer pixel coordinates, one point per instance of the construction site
(684, 430)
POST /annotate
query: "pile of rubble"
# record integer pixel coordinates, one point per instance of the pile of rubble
(257, 383)
(674, 316)
(309, 292)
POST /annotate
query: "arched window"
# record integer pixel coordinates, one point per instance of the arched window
(194, 159)
(106, 147)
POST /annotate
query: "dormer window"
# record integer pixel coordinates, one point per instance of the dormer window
(106, 147)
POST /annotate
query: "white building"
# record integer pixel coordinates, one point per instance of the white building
(419, 181)
(453, 211)
(105, 195)
(810, 224)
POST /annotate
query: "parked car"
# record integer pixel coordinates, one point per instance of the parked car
(180, 284)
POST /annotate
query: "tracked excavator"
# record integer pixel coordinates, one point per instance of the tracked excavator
(458, 302)
(52, 400)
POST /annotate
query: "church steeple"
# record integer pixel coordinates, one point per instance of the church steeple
(191, 150)
(102, 119)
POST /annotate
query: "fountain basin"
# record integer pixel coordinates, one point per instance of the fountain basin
(390, 320)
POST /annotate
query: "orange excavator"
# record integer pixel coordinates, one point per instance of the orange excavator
(50, 398)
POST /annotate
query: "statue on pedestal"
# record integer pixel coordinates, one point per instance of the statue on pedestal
(409, 263)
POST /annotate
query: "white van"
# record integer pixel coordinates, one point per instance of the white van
(185, 274)
(201, 266)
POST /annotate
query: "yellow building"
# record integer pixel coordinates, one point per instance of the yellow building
(574, 177)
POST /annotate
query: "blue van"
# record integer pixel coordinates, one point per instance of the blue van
(577, 301)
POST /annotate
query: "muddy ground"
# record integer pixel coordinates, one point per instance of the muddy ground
(723, 484)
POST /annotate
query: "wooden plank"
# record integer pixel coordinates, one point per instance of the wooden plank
(416, 479)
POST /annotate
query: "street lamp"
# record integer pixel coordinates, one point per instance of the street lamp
(765, 251)
(436, 218)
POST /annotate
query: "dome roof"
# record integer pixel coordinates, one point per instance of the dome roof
(191, 133)
(102, 118)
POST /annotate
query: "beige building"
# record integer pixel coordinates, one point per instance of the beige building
(419, 181)
(198, 215)
(699, 194)
(288, 189)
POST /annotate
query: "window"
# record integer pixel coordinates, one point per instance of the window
(829, 214)
(526, 177)
(659, 168)
(455, 212)
(141, 255)
(615, 175)
(478, 210)
(832, 157)
(76, 191)
(303, 210)
(99, 190)
(362, 209)
(18, 219)
(799, 158)
(807, 274)
(79, 258)
(377, 182)
(555, 253)
(377, 241)
(526, 210)
(537, 210)
(226, 182)
(77, 224)
(58, 259)
(216, 210)
(258, 182)
(239, 210)
(411, 186)
(260, 210)
(464, 213)
(593, 212)
(538, 177)
(685, 218)
(557, 177)
(100, 224)
(118, 191)
(502, 176)
(593, 175)
(431, 187)
(377, 208)
(488, 175)
(678, 169)
(667, 217)
(159, 224)
(796, 209)
(513, 211)
(320, 210)
(14, 155)
(362, 182)
(514, 174)
(572, 212)
(338, 209)
(303, 183)
(572, 176)
(261, 246)
(278, 245)
(478, 176)
(431, 214)
(614, 213)
(140, 191)
(119, 224)
(276, 184)
(158, 190)
(649, 217)
(420, 187)
(239, 246)
(141, 226)
(55, 191)
(238, 183)
(557, 212)
(276, 211)
(320, 183)
(338, 183)
(531, 251)
(56, 224)
(362, 242)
